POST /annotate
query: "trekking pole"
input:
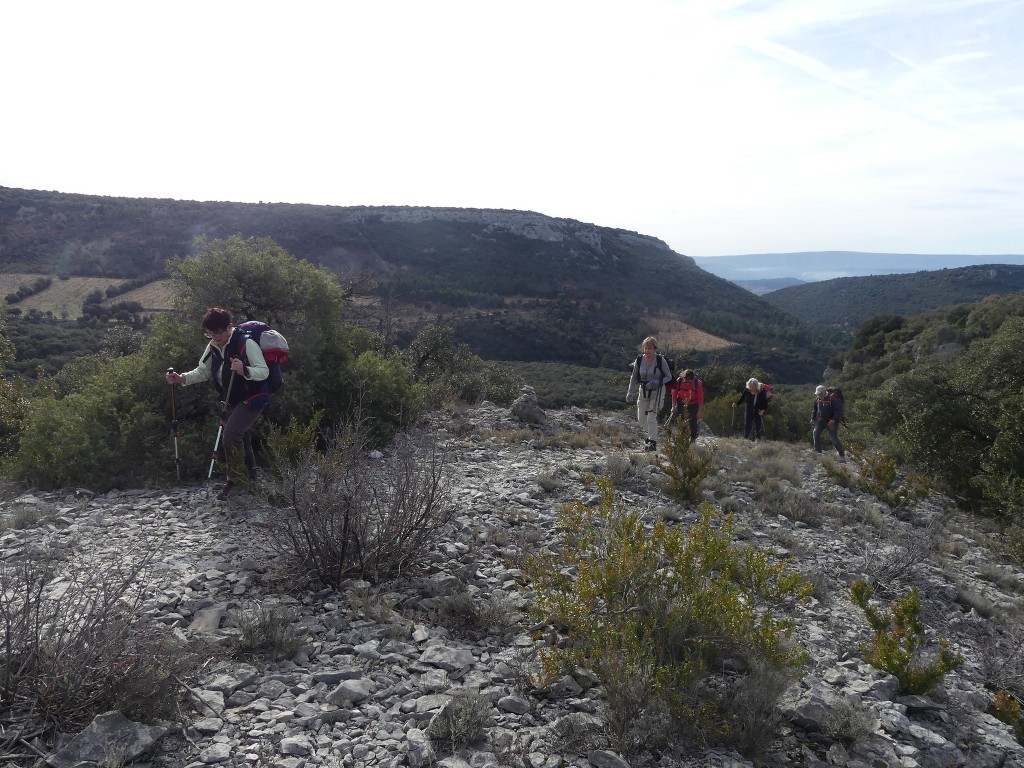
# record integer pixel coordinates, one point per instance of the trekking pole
(220, 428)
(174, 428)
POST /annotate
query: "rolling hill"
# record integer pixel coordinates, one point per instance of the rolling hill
(846, 302)
(521, 286)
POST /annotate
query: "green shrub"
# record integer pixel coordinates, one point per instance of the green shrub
(108, 434)
(879, 477)
(1006, 708)
(685, 463)
(898, 641)
(652, 610)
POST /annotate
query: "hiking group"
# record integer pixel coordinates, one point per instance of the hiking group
(234, 360)
(244, 362)
(654, 378)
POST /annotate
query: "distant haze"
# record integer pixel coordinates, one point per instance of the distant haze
(812, 266)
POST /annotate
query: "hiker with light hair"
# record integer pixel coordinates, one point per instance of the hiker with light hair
(826, 414)
(754, 399)
(651, 372)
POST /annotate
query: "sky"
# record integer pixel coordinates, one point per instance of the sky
(718, 126)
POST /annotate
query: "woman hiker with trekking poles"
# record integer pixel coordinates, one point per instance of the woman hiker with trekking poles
(651, 372)
(237, 367)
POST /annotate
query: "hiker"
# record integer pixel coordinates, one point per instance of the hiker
(651, 372)
(688, 394)
(754, 399)
(827, 411)
(236, 365)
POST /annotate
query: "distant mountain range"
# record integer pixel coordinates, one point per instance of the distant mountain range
(753, 270)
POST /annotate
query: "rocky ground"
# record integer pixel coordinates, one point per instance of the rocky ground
(377, 664)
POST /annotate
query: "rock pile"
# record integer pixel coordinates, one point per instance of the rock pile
(386, 673)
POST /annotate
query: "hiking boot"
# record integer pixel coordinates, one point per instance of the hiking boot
(225, 491)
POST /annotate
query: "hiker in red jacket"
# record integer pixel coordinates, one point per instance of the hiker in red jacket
(689, 395)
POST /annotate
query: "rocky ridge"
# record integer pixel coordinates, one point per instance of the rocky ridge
(378, 664)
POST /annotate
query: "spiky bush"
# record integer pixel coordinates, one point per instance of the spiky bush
(898, 644)
(652, 609)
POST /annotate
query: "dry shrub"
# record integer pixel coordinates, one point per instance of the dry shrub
(624, 469)
(75, 644)
(460, 722)
(891, 555)
(848, 723)
(465, 615)
(344, 514)
(750, 712)
(775, 498)
(268, 631)
(839, 472)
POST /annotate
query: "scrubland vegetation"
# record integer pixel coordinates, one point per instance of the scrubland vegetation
(650, 608)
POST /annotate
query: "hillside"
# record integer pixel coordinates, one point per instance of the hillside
(370, 668)
(847, 302)
(521, 286)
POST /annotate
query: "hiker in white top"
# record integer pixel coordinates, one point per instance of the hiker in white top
(651, 373)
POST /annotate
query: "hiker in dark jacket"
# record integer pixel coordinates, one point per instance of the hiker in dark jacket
(688, 395)
(827, 411)
(237, 366)
(755, 402)
(651, 372)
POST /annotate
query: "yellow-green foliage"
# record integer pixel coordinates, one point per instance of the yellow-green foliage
(1006, 709)
(878, 477)
(685, 464)
(899, 637)
(661, 604)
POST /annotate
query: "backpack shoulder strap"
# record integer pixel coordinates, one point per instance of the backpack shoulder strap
(237, 344)
(663, 366)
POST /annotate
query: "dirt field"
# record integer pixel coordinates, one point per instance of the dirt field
(64, 297)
